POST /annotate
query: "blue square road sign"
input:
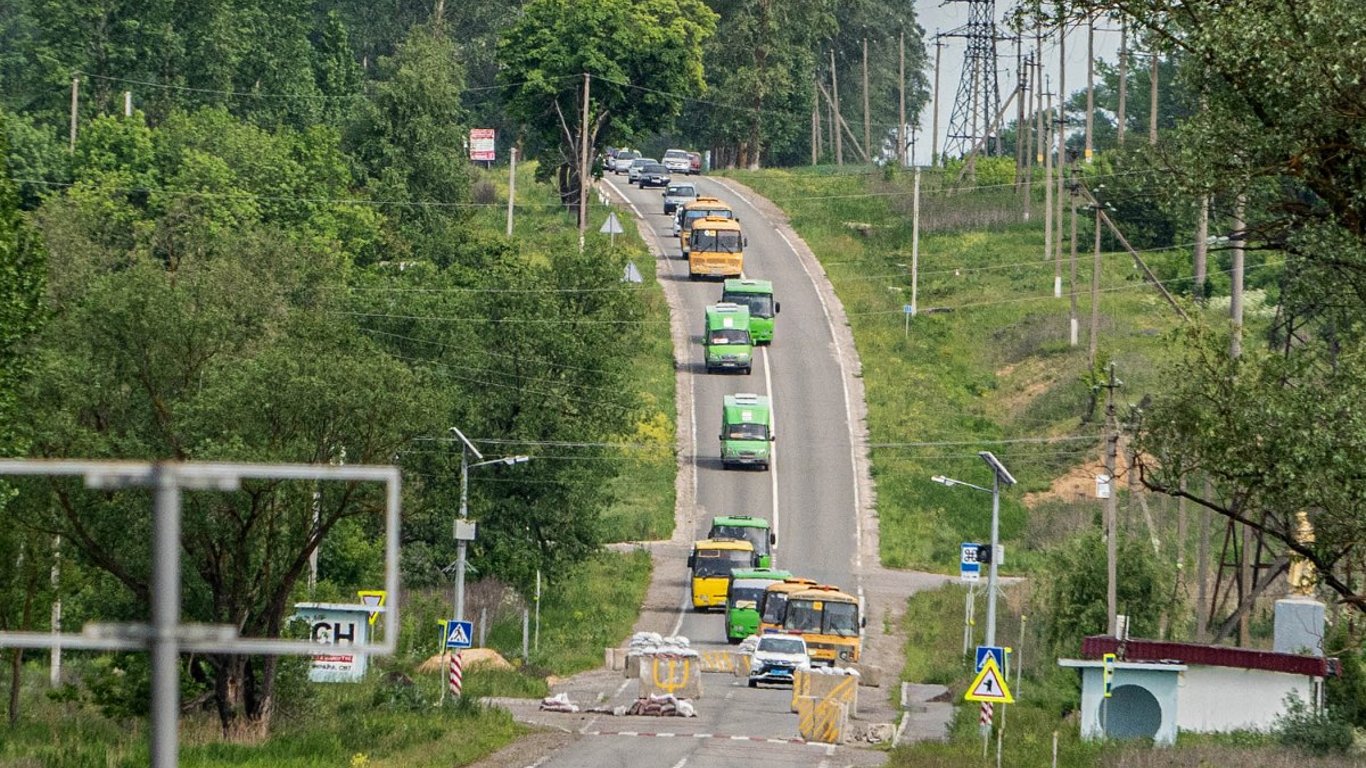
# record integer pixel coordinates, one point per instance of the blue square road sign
(459, 634)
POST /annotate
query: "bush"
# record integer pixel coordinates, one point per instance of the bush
(484, 192)
(1316, 732)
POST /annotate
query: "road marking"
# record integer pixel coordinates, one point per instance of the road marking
(848, 417)
(680, 763)
(719, 736)
(773, 449)
(539, 763)
(590, 722)
(623, 196)
(622, 687)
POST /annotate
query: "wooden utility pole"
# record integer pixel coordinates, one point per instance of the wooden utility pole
(1073, 323)
(1020, 84)
(583, 165)
(867, 121)
(1062, 126)
(1090, 86)
(1048, 251)
(817, 133)
(835, 105)
(1235, 294)
(1152, 102)
(1202, 571)
(512, 185)
(1201, 249)
(1095, 294)
(1111, 522)
(1123, 78)
(901, 107)
(934, 125)
(75, 108)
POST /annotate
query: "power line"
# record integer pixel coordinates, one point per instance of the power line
(298, 96)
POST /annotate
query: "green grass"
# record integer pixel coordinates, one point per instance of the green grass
(986, 359)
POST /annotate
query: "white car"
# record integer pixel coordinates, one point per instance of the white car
(677, 160)
(623, 160)
(777, 658)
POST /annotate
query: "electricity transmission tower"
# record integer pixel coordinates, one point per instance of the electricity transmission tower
(979, 95)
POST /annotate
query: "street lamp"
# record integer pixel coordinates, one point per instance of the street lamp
(1000, 475)
(464, 532)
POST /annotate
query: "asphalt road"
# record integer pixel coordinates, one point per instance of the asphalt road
(809, 495)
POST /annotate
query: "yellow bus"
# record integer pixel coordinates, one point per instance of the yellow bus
(711, 562)
(773, 608)
(716, 248)
(829, 620)
(700, 208)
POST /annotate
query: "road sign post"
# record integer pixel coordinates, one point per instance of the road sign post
(612, 227)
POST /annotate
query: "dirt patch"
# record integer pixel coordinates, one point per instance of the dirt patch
(527, 750)
(1079, 482)
(470, 657)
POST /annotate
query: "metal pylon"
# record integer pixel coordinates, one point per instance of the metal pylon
(979, 94)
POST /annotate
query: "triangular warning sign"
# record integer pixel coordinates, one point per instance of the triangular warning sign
(989, 685)
(458, 638)
(374, 600)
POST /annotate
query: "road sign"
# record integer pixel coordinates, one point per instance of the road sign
(989, 685)
(459, 633)
(374, 600)
(1109, 673)
(631, 274)
(968, 567)
(612, 226)
(908, 309)
(995, 652)
(482, 146)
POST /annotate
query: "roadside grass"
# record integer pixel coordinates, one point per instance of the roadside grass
(986, 363)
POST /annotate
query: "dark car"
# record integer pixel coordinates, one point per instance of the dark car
(653, 175)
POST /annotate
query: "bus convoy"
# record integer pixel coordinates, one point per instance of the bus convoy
(732, 570)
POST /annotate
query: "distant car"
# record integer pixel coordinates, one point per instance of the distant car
(655, 175)
(676, 195)
(623, 159)
(637, 165)
(777, 658)
(695, 162)
(677, 161)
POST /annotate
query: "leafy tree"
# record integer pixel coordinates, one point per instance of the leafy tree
(645, 60)
(1074, 589)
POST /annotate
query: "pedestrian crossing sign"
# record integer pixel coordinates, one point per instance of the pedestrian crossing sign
(989, 685)
(458, 634)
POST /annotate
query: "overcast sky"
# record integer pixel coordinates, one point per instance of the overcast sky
(936, 16)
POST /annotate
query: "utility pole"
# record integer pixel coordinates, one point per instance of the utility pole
(901, 107)
(915, 242)
(512, 185)
(1201, 249)
(1062, 124)
(1095, 292)
(1090, 86)
(1123, 78)
(934, 130)
(127, 103)
(817, 133)
(1026, 125)
(584, 174)
(1111, 534)
(1235, 305)
(1046, 143)
(1152, 102)
(1019, 113)
(75, 107)
(1072, 281)
(835, 105)
(867, 125)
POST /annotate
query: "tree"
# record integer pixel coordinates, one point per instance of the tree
(644, 61)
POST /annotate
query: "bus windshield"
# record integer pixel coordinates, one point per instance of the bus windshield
(747, 593)
(775, 607)
(717, 241)
(720, 562)
(841, 619)
(759, 304)
(751, 533)
(746, 431)
(728, 336)
(693, 214)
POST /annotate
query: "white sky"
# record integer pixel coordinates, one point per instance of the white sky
(938, 17)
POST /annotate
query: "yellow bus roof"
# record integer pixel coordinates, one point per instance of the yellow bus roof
(790, 585)
(715, 222)
(705, 201)
(723, 544)
(823, 592)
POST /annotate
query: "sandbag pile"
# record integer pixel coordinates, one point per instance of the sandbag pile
(847, 671)
(655, 644)
(559, 703)
(749, 645)
(666, 705)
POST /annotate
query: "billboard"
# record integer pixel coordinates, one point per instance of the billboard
(338, 628)
(482, 144)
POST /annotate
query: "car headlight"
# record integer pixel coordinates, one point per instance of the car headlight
(846, 655)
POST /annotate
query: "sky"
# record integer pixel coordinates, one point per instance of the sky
(939, 16)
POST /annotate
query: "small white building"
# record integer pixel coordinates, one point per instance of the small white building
(1160, 688)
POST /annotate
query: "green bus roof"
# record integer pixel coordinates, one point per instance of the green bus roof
(727, 315)
(745, 407)
(740, 521)
(747, 285)
(770, 574)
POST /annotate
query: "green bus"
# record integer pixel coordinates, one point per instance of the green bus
(726, 341)
(755, 530)
(744, 592)
(746, 431)
(757, 295)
